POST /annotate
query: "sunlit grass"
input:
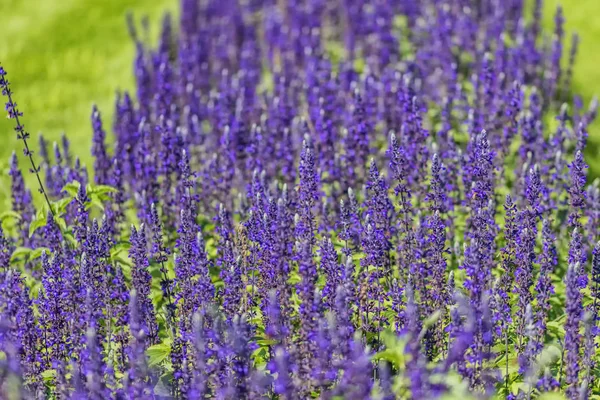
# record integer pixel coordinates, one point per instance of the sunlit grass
(62, 56)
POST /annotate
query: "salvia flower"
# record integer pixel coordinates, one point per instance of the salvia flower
(313, 189)
(574, 310)
(102, 162)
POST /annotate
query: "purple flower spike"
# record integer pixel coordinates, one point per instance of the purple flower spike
(21, 200)
(142, 282)
(573, 339)
(102, 161)
(137, 382)
(544, 287)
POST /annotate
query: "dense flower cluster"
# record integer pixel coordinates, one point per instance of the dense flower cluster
(315, 199)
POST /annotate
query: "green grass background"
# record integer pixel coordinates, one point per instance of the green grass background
(64, 55)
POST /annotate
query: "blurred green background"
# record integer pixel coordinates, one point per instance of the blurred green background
(64, 55)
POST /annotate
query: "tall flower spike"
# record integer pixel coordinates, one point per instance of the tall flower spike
(137, 381)
(345, 227)
(165, 90)
(556, 54)
(52, 234)
(179, 350)
(332, 269)
(192, 276)
(66, 148)
(17, 313)
(399, 169)
(323, 373)
(359, 133)
(22, 134)
(53, 303)
(574, 310)
(544, 287)
(141, 281)
(416, 369)
(6, 249)
(386, 381)
(232, 274)
(589, 359)
(379, 207)
(355, 382)
(527, 355)
(525, 258)
(512, 112)
(577, 254)
(119, 299)
(241, 347)
(437, 195)
(461, 333)
(480, 224)
(93, 367)
(58, 172)
(374, 267)
(437, 266)
(308, 191)
(43, 145)
(21, 200)
(199, 384)
(283, 384)
(144, 78)
(81, 216)
(595, 289)
(102, 162)
(350, 216)
(307, 313)
(274, 323)
(161, 254)
(186, 177)
(577, 191)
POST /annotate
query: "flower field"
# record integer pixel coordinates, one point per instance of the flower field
(316, 199)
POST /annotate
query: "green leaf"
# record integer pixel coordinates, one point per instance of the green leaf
(119, 248)
(68, 236)
(294, 278)
(391, 356)
(556, 328)
(551, 396)
(62, 224)
(9, 214)
(38, 221)
(158, 353)
(49, 374)
(394, 352)
(120, 259)
(95, 201)
(60, 206)
(103, 189)
(20, 252)
(71, 188)
(34, 289)
(37, 253)
(264, 342)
